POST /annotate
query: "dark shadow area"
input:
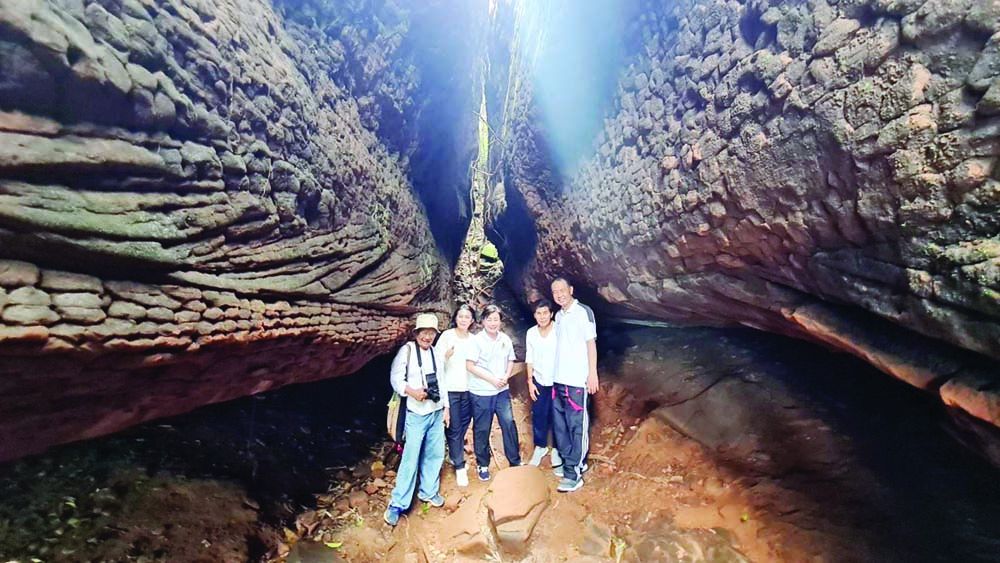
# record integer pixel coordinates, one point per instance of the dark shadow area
(830, 442)
(515, 237)
(231, 475)
(448, 40)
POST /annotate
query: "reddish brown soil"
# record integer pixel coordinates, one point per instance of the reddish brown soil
(643, 474)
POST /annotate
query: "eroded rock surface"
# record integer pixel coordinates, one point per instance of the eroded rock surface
(200, 200)
(821, 169)
(502, 517)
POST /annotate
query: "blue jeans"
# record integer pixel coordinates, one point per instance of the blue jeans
(541, 415)
(483, 409)
(423, 451)
(461, 416)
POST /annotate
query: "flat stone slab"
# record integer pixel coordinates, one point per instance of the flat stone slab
(515, 501)
(465, 528)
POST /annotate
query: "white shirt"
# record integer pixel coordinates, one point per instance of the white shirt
(540, 354)
(409, 372)
(575, 326)
(491, 355)
(455, 375)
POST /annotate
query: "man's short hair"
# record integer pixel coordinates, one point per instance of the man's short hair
(561, 279)
(543, 302)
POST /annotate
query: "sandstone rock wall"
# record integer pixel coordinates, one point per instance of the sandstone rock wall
(819, 168)
(200, 200)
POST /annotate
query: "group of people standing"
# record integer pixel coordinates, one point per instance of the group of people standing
(464, 378)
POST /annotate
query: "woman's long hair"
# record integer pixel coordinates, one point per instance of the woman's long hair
(459, 309)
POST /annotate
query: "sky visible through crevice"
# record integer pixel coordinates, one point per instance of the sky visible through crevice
(577, 55)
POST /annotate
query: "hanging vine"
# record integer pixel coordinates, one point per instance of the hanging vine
(479, 267)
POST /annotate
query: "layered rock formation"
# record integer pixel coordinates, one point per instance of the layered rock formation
(821, 169)
(201, 200)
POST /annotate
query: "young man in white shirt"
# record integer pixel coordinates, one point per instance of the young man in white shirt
(575, 378)
(540, 362)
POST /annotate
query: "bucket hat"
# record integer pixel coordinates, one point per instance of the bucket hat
(426, 320)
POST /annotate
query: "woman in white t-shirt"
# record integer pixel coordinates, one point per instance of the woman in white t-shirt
(455, 346)
(490, 364)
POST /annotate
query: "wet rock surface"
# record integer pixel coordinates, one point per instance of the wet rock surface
(809, 168)
(203, 200)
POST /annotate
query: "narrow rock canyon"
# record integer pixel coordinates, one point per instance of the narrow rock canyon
(204, 200)
(208, 200)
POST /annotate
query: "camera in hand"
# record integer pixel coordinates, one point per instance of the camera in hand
(433, 391)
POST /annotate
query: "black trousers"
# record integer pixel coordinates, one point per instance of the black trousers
(460, 404)
(571, 427)
(541, 415)
(483, 409)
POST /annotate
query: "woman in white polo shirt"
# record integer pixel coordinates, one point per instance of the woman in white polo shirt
(491, 364)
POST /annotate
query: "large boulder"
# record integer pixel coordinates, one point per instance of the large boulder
(514, 502)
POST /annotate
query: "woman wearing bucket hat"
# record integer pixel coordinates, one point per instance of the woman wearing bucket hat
(414, 374)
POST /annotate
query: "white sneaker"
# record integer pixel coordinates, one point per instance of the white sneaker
(536, 458)
(462, 477)
(555, 458)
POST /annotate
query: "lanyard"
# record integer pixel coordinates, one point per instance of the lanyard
(420, 364)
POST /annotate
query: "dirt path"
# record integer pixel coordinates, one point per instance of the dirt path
(650, 495)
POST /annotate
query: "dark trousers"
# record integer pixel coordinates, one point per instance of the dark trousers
(461, 415)
(541, 415)
(483, 409)
(570, 426)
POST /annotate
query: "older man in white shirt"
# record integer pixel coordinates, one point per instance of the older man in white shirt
(575, 378)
